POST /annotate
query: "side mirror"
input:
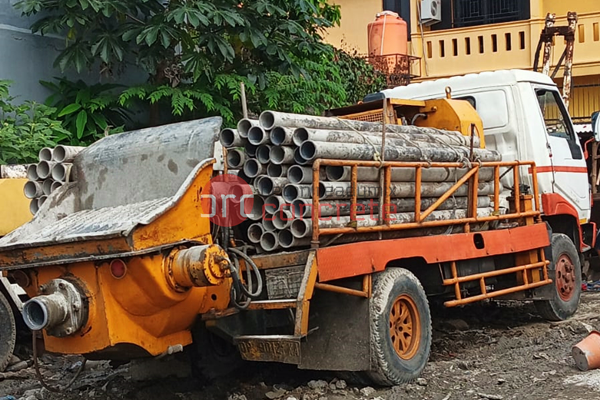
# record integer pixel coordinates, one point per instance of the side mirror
(596, 125)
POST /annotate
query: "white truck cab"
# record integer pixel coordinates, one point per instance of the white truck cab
(524, 118)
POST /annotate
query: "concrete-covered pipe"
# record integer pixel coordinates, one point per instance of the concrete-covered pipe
(302, 228)
(366, 174)
(420, 137)
(32, 172)
(277, 170)
(263, 153)
(292, 192)
(366, 152)
(62, 172)
(288, 241)
(244, 125)
(235, 158)
(281, 136)
(273, 204)
(66, 154)
(282, 219)
(257, 136)
(282, 155)
(230, 138)
(33, 189)
(47, 186)
(269, 241)
(269, 186)
(45, 154)
(298, 174)
(371, 190)
(255, 232)
(44, 169)
(253, 168)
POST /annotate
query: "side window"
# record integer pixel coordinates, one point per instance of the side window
(470, 99)
(555, 115)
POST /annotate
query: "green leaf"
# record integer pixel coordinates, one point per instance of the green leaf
(82, 118)
(71, 108)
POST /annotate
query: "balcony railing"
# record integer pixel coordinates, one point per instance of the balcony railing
(399, 69)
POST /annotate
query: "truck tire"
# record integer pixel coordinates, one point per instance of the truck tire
(400, 328)
(566, 265)
(212, 356)
(8, 332)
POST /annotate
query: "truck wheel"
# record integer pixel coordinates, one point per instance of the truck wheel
(566, 265)
(8, 332)
(400, 327)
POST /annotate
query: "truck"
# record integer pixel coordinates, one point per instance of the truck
(129, 261)
(14, 212)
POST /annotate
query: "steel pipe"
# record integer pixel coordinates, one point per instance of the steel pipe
(269, 241)
(298, 174)
(56, 186)
(366, 174)
(242, 175)
(258, 205)
(298, 159)
(282, 219)
(302, 228)
(244, 125)
(44, 312)
(257, 136)
(370, 190)
(301, 208)
(292, 192)
(62, 172)
(45, 154)
(230, 138)
(32, 172)
(47, 186)
(263, 153)
(287, 240)
(66, 154)
(44, 169)
(347, 151)
(273, 204)
(255, 232)
(419, 137)
(33, 206)
(235, 158)
(41, 200)
(282, 155)
(269, 186)
(267, 222)
(281, 136)
(250, 149)
(277, 170)
(253, 168)
(33, 189)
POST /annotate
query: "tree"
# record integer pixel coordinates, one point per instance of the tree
(196, 52)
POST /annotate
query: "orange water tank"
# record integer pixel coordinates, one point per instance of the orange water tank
(388, 34)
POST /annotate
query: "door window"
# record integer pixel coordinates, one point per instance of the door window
(557, 119)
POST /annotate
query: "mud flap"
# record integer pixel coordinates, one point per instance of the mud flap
(339, 334)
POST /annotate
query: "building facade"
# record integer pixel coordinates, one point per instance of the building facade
(484, 35)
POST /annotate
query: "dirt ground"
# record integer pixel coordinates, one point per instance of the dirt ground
(480, 352)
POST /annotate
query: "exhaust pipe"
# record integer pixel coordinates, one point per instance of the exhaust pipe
(33, 190)
(281, 136)
(244, 125)
(62, 172)
(32, 172)
(263, 153)
(255, 232)
(44, 169)
(277, 171)
(287, 240)
(66, 154)
(235, 158)
(298, 174)
(257, 136)
(253, 168)
(269, 241)
(282, 155)
(230, 138)
(45, 154)
(61, 312)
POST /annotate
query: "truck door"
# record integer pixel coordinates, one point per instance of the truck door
(568, 169)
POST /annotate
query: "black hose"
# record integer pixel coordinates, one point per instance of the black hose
(259, 282)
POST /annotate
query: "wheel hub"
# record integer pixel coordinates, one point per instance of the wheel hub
(405, 327)
(565, 277)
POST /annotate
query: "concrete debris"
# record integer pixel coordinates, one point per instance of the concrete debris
(367, 391)
(275, 394)
(421, 381)
(341, 384)
(237, 396)
(490, 396)
(318, 384)
(19, 366)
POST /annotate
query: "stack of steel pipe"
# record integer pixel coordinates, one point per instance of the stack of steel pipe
(275, 153)
(51, 172)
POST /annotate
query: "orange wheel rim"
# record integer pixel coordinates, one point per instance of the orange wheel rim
(405, 327)
(565, 277)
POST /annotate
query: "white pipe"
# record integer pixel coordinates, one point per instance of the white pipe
(56, 186)
(277, 171)
(281, 136)
(298, 159)
(33, 189)
(287, 240)
(268, 223)
(62, 172)
(298, 174)
(252, 168)
(41, 201)
(244, 125)
(44, 169)
(66, 153)
(273, 204)
(47, 186)
(230, 138)
(45, 154)
(292, 192)
(269, 241)
(255, 232)
(268, 186)
(263, 153)
(301, 208)
(257, 209)
(257, 136)
(235, 158)
(283, 219)
(33, 206)
(32, 172)
(282, 155)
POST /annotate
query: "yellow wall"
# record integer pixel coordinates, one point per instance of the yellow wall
(356, 15)
(561, 7)
(14, 206)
